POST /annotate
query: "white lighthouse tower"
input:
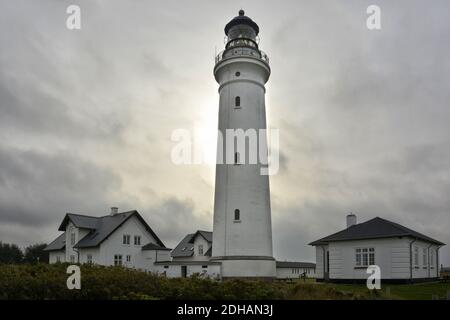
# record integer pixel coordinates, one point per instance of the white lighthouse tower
(242, 231)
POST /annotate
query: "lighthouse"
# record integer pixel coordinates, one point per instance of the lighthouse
(242, 228)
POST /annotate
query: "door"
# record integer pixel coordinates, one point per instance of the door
(183, 271)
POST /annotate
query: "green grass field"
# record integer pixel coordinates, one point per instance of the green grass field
(419, 291)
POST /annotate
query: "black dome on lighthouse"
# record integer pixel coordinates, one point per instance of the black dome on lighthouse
(241, 19)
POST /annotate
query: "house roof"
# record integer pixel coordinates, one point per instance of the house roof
(186, 247)
(153, 246)
(374, 229)
(58, 244)
(295, 264)
(207, 235)
(102, 227)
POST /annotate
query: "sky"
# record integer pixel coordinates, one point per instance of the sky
(86, 116)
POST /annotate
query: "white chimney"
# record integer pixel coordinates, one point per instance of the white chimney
(114, 211)
(351, 220)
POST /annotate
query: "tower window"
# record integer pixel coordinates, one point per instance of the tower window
(237, 101)
(237, 214)
(236, 158)
(237, 74)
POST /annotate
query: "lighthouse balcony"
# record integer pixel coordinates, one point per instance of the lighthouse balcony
(243, 51)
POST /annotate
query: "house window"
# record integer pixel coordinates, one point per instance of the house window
(205, 267)
(237, 101)
(128, 258)
(137, 240)
(371, 256)
(72, 238)
(126, 239)
(425, 257)
(117, 259)
(72, 259)
(364, 257)
(237, 73)
(200, 249)
(237, 214)
(89, 258)
(416, 256)
(431, 257)
(58, 259)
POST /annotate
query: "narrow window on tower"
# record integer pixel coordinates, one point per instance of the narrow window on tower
(236, 158)
(237, 102)
(237, 214)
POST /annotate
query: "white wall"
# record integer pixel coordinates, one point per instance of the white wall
(242, 186)
(53, 256)
(114, 245)
(174, 270)
(391, 255)
(291, 273)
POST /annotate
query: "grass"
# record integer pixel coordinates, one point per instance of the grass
(43, 281)
(419, 291)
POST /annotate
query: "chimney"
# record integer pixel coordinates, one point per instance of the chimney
(351, 220)
(114, 211)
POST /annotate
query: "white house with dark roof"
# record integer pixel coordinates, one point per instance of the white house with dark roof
(193, 255)
(403, 255)
(115, 239)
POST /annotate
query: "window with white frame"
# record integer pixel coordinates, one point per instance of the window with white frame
(137, 240)
(89, 258)
(117, 259)
(431, 258)
(128, 258)
(425, 257)
(126, 239)
(72, 238)
(72, 258)
(58, 259)
(200, 249)
(364, 257)
(416, 256)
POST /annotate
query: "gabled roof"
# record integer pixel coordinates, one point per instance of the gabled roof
(102, 227)
(79, 220)
(295, 264)
(58, 244)
(374, 229)
(153, 246)
(186, 247)
(207, 235)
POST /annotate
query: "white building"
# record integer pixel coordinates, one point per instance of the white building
(242, 215)
(116, 239)
(402, 254)
(295, 270)
(193, 255)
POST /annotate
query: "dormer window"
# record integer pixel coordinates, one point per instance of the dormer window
(72, 238)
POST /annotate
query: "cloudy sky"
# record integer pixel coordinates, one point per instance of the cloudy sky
(86, 116)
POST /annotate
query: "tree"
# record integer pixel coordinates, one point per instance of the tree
(10, 253)
(35, 253)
